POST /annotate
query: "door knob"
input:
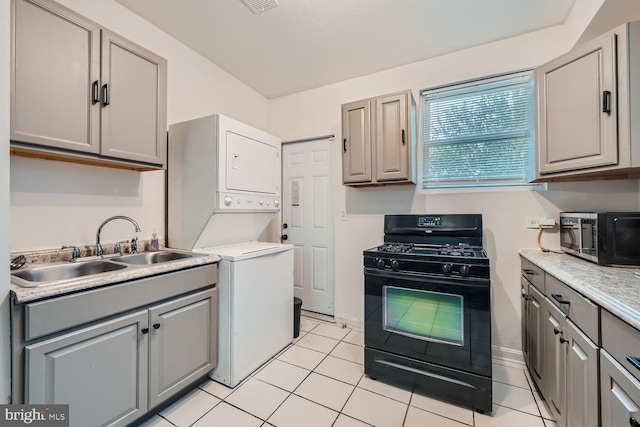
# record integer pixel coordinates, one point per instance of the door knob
(284, 237)
(285, 225)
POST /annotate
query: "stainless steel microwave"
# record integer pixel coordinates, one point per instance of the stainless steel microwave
(606, 238)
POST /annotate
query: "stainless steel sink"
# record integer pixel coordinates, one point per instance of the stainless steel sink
(66, 271)
(154, 257)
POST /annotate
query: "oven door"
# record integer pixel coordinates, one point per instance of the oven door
(441, 320)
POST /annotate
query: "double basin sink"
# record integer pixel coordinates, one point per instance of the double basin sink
(39, 276)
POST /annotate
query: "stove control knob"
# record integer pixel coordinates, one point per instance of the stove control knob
(395, 264)
(464, 270)
(227, 200)
(380, 263)
(446, 268)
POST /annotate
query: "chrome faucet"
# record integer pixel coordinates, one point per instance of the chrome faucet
(98, 245)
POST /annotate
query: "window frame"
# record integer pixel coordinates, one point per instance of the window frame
(481, 185)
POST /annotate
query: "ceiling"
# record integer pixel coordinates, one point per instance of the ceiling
(303, 44)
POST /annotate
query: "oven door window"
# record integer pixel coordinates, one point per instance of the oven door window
(425, 315)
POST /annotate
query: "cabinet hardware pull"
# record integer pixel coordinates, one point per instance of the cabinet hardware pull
(144, 330)
(156, 325)
(634, 423)
(527, 271)
(556, 331)
(635, 361)
(606, 102)
(105, 95)
(344, 145)
(558, 297)
(526, 297)
(562, 340)
(403, 141)
(95, 92)
(284, 237)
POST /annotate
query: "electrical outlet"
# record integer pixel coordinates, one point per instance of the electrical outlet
(531, 222)
(343, 215)
(546, 222)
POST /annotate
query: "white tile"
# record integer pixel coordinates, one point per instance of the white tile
(215, 388)
(419, 418)
(325, 391)
(344, 421)
(226, 415)
(307, 324)
(257, 398)
(374, 409)
(341, 369)
(330, 330)
(303, 357)
(187, 410)
(445, 409)
(283, 375)
(549, 423)
(302, 334)
(156, 421)
(350, 352)
(510, 363)
(318, 342)
(355, 337)
(296, 412)
(390, 391)
(505, 417)
(512, 376)
(515, 398)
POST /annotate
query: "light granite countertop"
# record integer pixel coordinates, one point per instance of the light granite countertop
(615, 289)
(132, 272)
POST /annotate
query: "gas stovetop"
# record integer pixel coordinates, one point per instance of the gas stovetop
(448, 250)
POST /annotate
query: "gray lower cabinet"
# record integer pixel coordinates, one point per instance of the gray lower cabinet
(99, 371)
(619, 394)
(183, 337)
(113, 372)
(534, 313)
(555, 361)
(582, 378)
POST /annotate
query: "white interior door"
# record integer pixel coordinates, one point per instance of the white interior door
(307, 221)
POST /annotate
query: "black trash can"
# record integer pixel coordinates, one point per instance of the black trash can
(297, 309)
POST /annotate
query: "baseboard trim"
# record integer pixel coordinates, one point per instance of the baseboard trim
(507, 355)
(351, 322)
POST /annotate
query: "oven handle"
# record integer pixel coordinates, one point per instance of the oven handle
(423, 277)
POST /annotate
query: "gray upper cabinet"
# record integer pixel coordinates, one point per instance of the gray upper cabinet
(134, 123)
(99, 371)
(587, 109)
(356, 142)
(56, 63)
(379, 140)
(81, 93)
(182, 343)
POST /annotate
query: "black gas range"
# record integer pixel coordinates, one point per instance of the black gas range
(427, 308)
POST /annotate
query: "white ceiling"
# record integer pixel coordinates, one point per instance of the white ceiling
(303, 44)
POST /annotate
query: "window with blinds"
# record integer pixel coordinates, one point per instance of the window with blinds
(479, 133)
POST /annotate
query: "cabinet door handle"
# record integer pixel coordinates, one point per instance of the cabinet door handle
(558, 297)
(556, 331)
(635, 361)
(634, 423)
(606, 102)
(344, 145)
(144, 330)
(403, 141)
(105, 95)
(531, 272)
(526, 297)
(95, 92)
(562, 340)
(156, 325)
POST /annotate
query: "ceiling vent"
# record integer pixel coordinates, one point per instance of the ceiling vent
(259, 6)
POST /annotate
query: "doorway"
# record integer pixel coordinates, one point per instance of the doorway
(307, 221)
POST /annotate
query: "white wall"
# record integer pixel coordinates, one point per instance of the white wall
(5, 383)
(317, 112)
(54, 203)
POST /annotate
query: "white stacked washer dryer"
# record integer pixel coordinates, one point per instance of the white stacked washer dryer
(223, 191)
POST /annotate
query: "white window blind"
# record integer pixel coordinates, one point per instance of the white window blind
(478, 133)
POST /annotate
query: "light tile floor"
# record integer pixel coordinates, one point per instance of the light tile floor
(319, 381)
